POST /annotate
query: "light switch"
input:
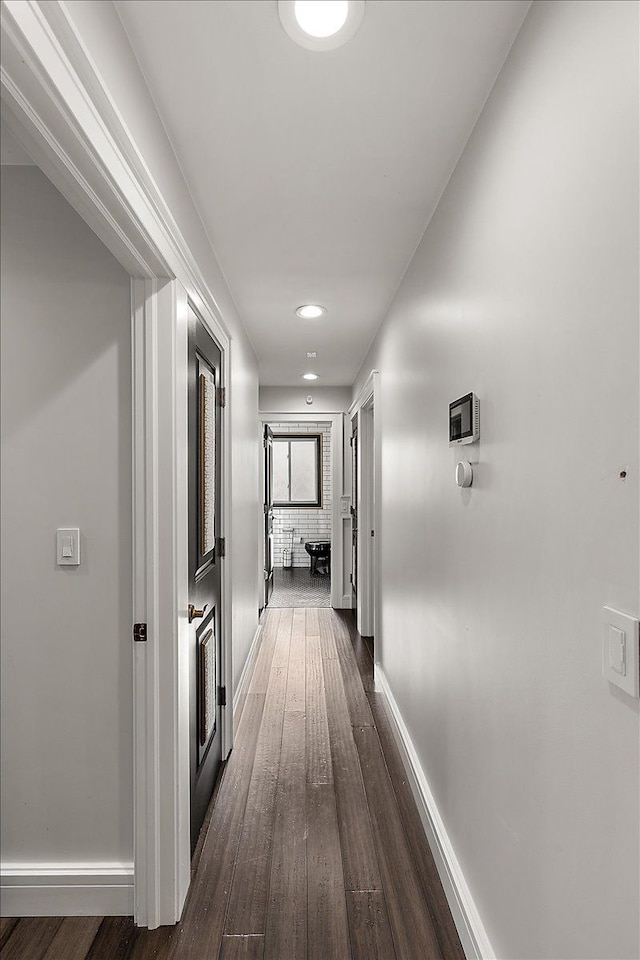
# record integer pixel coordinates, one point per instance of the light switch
(68, 547)
(617, 644)
(621, 650)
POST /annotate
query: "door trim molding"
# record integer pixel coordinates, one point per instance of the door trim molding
(366, 410)
(339, 598)
(57, 106)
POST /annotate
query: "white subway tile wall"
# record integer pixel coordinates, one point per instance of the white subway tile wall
(309, 523)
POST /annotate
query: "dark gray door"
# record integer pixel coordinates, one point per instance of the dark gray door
(268, 513)
(205, 549)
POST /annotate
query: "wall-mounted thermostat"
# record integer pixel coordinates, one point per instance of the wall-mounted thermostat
(464, 420)
(464, 474)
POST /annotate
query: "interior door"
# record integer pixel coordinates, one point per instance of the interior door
(268, 513)
(354, 517)
(205, 551)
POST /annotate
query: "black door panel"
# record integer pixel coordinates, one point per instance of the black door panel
(204, 568)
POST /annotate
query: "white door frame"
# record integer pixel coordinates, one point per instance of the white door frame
(339, 599)
(365, 411)
(56, 105)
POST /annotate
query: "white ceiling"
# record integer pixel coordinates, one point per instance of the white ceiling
(316, 173)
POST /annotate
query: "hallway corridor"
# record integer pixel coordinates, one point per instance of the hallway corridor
(313, 849)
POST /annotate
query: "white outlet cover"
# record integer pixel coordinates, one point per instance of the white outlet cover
(621, 650)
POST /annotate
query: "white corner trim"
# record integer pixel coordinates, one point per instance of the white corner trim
(66, 889)
(366, 392)
(471, 931)
(240, 693)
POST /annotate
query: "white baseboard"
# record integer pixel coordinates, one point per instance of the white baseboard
(66, 889)
(240, 693)
(471, 931)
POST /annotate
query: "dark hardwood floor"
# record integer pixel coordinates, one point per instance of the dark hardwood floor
(312, 849)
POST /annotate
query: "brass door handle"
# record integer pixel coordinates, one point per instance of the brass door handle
(196, 614)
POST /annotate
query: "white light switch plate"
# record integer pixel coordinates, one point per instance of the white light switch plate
(68, 547)
(621, 650)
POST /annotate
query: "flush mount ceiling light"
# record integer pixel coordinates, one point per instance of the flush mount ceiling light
(321, 24)
(311, 311)
(309, 376)
(311, 354)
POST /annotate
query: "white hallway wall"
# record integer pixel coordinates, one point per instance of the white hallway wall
(525, 290)
(67, 750)
(104, 37)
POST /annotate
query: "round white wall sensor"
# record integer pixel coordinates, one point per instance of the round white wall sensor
(309, 400)
(464, 473)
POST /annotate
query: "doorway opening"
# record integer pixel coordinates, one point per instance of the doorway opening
(298, 513)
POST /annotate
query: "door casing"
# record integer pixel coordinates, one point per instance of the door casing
(365, 412)
(340, 596)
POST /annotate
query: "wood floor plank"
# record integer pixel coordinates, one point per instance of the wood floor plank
(286, 929)
(369, 928)
(115, 939)
(242, 948)
(356, 837)
(156, 944)
(359, 709)
(248, 901)
(295, 699)
(319, 768)
(413, 932)
(327, 643)
(262, 671)
(298, 628)
(199, 934)
(328, 928)
(362, 649)
(439, 911)
(30, 938)
(73, 938)
(7, 925)
(311, 622)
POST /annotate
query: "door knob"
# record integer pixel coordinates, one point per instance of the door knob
(196, 614)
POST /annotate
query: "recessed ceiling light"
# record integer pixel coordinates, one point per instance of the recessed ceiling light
(321, 18)
(309, 376)
(321, 24)
(311, 311)
(312, 355)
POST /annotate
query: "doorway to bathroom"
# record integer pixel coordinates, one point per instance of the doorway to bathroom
(298, 513)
